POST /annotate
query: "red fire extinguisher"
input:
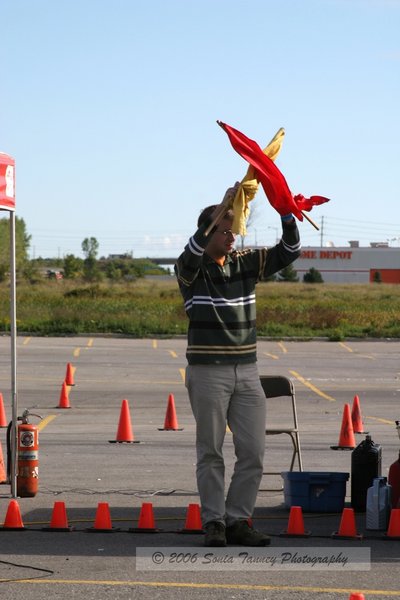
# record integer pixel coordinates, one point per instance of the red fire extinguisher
(27, 456)
(394, 476)
(394, 481)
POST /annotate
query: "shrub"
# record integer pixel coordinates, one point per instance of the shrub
(313, 276)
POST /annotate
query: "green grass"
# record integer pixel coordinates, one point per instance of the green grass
(151, 307)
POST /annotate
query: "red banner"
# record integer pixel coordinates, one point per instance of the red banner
(275, 187)
(7, 182)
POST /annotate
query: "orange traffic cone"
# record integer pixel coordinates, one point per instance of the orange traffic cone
(347, 527)
(193, 520)
(59, 520)
(356, 597)
(102, 522)
(64, 397)
(296, 524)
(3, 473)
(356, 418)
(146, 520)
(171, 421)
(346, 439)
(3, 420)
(124, 432)
(69, 375)
(393, 532)
(13, 520)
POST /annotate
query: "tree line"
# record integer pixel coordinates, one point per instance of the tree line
(91, 268)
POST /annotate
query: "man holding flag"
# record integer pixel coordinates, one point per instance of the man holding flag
(218, 287)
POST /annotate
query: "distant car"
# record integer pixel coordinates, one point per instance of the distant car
(52, 274)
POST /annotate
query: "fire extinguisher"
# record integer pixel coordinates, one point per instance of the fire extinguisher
(394, 476)
(27, 455)
(394, 481)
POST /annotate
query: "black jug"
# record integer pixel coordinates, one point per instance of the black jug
(366, 464)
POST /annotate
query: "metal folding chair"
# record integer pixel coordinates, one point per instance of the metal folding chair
(282, 387)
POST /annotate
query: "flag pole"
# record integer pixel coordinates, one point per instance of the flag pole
(223, 209)
(13, 331)
(7, 202)
(221, 212)
(310, 220)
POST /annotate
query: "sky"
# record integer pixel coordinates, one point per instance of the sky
(109, 110)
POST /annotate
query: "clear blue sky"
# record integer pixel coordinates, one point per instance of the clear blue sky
(110, 108)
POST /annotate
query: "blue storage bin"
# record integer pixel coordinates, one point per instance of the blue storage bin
(315, 491)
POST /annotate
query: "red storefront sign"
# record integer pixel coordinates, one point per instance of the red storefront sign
(327, 254)
(7, 182)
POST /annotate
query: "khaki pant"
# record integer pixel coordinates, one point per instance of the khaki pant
(221, 395)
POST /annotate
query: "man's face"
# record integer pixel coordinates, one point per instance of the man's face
(223, 240)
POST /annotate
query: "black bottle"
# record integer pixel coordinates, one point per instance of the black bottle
(366, 464)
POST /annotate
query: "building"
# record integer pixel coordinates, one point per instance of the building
(351, 264)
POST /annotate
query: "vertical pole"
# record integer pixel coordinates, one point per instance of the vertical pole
(13, 331)
(322, 231)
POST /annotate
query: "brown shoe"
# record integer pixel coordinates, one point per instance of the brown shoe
(215, 534)
(241, 534)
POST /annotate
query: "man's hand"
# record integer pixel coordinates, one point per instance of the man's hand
(230, 195)
(226, 204)
(223, 207)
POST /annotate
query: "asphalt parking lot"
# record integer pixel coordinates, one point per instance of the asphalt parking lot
(79, 466)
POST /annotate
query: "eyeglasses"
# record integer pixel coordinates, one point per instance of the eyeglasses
(227, 232)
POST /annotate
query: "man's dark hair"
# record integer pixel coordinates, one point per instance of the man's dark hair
(208, 211)
(206, 214)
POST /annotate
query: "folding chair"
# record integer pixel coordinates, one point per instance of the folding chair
(281, 387)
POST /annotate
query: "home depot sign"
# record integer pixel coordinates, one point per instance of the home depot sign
(327, 254)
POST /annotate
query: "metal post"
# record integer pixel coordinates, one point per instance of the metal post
(322, 232)
(13, 331)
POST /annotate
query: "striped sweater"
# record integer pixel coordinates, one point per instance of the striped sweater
(220, 301)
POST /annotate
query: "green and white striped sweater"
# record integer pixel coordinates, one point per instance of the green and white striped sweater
(220, 301)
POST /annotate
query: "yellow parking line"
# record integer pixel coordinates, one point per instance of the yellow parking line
(155, 344)
(274, 356)
(132, 381)
(349, 349)
(312, 387)
(381, 420)
(173, 354)
(282, 347)
(46, 421)
(26, 341)
(209, 586)
(77, 352)
(90, 343)
(182, 372)
(345, 346)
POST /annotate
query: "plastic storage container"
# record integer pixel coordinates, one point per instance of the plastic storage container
(315, 491)
(379, 504)
(366, 462)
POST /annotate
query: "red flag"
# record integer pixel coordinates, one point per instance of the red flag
(7, 192)
(270, 177)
